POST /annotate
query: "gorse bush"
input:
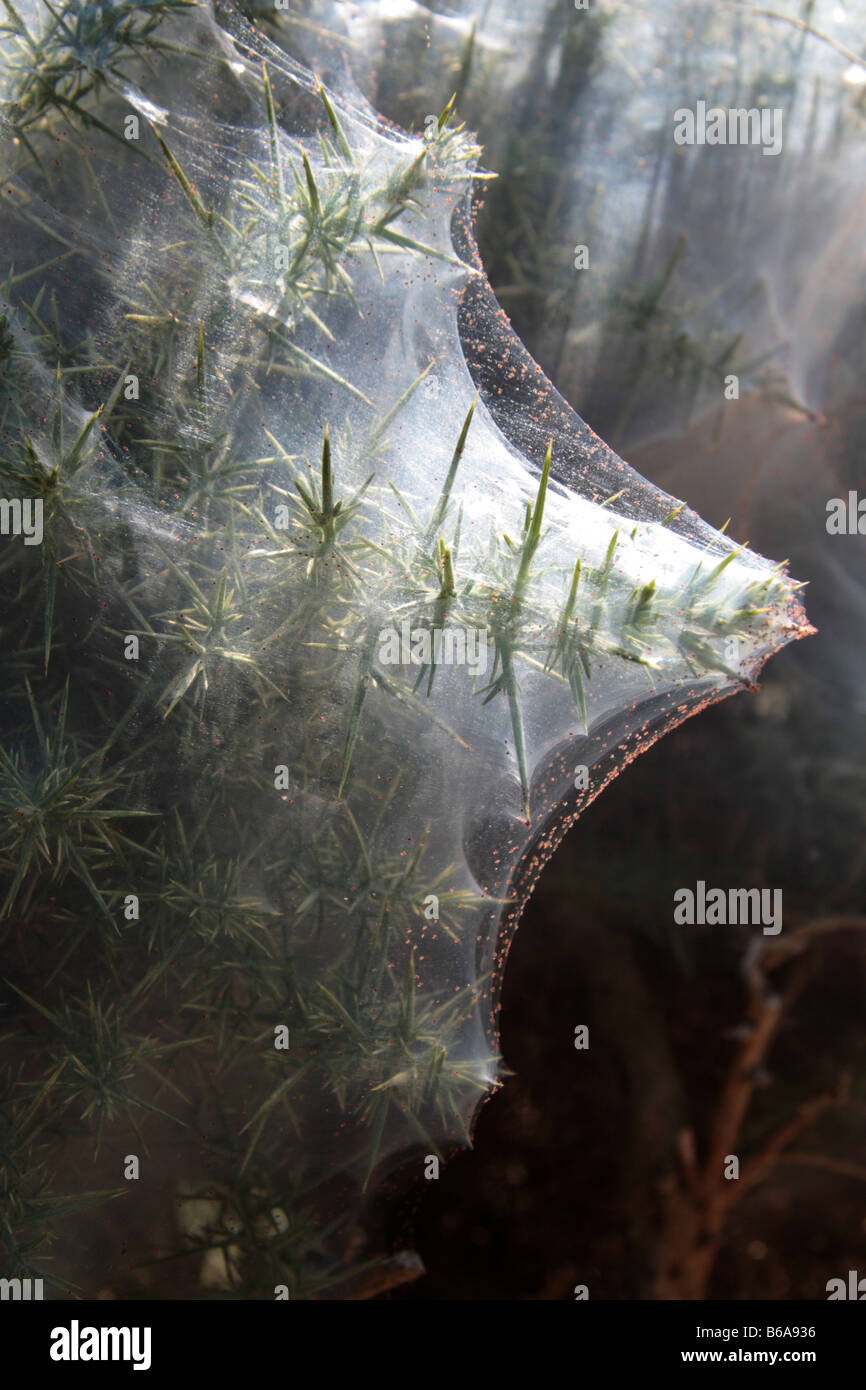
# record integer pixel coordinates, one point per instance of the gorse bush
(311, 666)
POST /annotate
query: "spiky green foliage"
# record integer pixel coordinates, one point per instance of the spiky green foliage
(30, 1209)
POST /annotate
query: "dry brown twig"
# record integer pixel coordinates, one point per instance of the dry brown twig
(698, 1198)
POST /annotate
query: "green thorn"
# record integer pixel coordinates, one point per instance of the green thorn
(672, 516)
(205, 216)
(327, 476)
(723, 565)
(382, 428)
(603, 580)
(510, 682)
(345, 147)
(445, 495)
(447, 113)
(535, 516)
(277, 185)
(447, 590)
(311, 185)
